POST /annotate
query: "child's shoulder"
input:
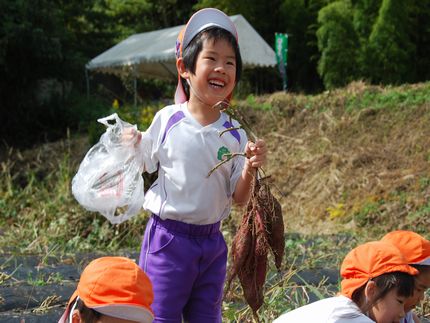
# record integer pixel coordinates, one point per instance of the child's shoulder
(171, 108)
(168, 111)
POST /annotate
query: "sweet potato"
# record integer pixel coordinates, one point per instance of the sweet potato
(261, 230)
(252, 281)
(240, 249)
(275, 223)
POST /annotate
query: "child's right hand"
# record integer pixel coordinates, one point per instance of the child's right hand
(131, 136)
(256, 153)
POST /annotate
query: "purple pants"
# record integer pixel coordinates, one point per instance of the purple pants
(187, 266)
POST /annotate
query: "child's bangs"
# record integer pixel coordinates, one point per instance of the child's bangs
(404, 283)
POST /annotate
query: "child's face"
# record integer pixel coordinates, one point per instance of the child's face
(389, 309)
(215, 75)
(422, 283)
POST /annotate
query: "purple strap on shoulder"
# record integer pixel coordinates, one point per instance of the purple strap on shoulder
(175, 118)
(234, 132)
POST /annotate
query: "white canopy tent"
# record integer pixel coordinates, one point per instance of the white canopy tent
(152, 54)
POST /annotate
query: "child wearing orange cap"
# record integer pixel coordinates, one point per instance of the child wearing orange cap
(111, 290)
(376, 281)
(183, 251)
(416, 250)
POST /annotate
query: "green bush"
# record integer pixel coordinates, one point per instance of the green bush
(338, 44)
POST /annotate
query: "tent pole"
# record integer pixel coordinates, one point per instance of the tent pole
(88, 82)
(135, 85)
(175, 76)
(135, 91)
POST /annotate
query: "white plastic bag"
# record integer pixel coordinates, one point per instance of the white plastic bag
(110, 175)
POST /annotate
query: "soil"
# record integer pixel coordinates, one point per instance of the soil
(36, 290)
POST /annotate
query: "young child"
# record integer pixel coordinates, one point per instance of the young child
(111, 290)
(183, 251)
(416, 250)
(376, 280)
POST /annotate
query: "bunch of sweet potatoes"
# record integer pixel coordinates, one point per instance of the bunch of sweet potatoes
(261, 230)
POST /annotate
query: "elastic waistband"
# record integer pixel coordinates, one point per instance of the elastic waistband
(194, 230)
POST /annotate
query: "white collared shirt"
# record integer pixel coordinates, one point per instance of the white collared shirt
(184, 152)
(338, 309)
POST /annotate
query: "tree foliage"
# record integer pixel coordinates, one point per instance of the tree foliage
(50, 41)
(298, 20)
(420, 36)
(391, 51)
(365, 13)
(338, 44)
(44, 42)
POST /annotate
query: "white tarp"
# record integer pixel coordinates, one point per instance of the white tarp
(152, 54)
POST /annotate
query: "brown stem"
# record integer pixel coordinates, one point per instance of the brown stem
(229, 156)
(229, 129)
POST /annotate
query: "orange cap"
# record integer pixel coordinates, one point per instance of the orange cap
(414, 247)
(368, 261)
(117, 287)
(202, 19)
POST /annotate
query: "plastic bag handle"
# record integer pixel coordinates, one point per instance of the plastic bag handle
(113, 116)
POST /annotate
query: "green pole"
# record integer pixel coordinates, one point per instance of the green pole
(281, 46)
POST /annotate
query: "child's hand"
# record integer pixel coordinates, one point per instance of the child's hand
(131, 136)
(256, 153)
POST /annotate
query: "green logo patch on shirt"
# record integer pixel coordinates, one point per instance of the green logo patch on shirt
(223, 153)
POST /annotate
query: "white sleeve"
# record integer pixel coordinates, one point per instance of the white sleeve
(149, 145)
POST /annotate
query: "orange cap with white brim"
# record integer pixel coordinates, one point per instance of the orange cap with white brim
(368, 261)
(414, 247)
(114, 286)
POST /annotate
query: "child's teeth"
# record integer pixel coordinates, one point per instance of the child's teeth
(217, 83)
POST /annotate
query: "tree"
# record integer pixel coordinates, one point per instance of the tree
(365, 13)
(390, 53)
(420, 35)
(299, 20)
(43, 40)
(338, 44)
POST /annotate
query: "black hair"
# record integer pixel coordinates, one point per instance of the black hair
(190, 53)
(88, 315)
(421, 268)
(404, 283)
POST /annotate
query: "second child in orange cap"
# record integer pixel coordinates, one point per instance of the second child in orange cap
(416, 249)
(111, 290)
(376, 280)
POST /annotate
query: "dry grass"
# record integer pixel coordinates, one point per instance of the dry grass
(352, 162)
(341, 168)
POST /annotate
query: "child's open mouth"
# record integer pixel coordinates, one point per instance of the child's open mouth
(217, 84)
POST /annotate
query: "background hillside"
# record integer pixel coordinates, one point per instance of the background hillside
(354, 159)
(347, 165)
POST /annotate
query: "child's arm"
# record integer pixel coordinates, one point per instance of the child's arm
(416, 319)
(257, 153)
(144, 143)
